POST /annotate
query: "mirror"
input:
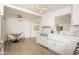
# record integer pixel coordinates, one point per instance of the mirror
(63, 23)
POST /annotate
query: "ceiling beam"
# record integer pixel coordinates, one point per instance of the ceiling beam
(23, 10)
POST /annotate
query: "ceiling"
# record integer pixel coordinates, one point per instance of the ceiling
(10, 12)
(35, 7)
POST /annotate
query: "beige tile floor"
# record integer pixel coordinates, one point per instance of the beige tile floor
(27, 47)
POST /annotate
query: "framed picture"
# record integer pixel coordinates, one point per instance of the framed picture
(36, 27)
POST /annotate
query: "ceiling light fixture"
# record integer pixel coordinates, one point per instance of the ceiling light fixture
(43, 7)
(19, 17)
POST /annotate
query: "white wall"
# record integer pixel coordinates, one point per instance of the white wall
(12, 25)
(48, 19)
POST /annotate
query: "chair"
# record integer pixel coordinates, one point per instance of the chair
(16, 37)
(21, 37)
(10, 38)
